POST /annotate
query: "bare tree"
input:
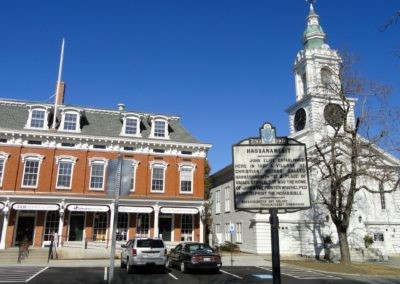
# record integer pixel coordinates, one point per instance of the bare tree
(392, 21)
(346, 159)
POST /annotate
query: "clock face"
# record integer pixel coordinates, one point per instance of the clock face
(300, 119)
(334, 115)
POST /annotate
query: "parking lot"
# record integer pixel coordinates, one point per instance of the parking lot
(228, 275)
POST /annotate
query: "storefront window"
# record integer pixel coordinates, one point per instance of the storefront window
(100, 226)
(122, 227)
(142, 227)
(52, 222)
(187, 228)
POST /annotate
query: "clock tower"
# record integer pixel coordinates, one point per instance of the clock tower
(316, 70)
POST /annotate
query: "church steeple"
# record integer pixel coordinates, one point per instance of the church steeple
(313, 36)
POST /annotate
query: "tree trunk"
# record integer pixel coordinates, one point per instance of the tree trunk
(344, 248)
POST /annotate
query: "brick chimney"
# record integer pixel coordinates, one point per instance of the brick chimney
(61, 93)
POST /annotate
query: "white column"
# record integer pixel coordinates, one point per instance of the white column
(111, 223)
(6, 213)
(201, 221)
(156, 213)
(60, 228)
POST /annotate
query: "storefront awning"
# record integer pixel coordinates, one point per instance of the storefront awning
(35, 206)
(178, 210)
(87, 208)
(135, 209)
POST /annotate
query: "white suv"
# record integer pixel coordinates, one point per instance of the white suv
(143, 251)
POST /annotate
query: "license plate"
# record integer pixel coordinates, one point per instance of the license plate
(207, 259)
(151, 254)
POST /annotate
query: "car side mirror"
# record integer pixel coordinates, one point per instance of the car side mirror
(123, 246)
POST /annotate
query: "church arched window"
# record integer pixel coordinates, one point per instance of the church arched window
(326, 77)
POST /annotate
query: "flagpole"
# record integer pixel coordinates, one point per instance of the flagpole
(58, 84)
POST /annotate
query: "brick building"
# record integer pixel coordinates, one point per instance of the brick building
(53, 174)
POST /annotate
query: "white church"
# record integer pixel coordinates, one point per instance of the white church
(376, 215)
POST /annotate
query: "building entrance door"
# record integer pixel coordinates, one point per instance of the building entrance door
(76, 227)
(25, 230)
(165, 227)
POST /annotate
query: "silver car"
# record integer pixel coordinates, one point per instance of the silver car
(143, 252)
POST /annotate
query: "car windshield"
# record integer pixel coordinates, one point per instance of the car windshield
(149, 243)
(198, 247)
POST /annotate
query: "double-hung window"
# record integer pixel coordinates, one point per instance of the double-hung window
(32, 163)
(217, 201)
(3, 160)
(227, 199)
(239, 232)
(159, 127)
(227, 233)
(131, 126)
(70, 121)
(38, 118)
(158, 176)
(65, 170)
(186, 178)
(97, 174)
(135, 165)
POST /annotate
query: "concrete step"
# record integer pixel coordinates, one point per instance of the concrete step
(9, 256)
(36, 255)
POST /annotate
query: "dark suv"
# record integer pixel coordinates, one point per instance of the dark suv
(143, 251)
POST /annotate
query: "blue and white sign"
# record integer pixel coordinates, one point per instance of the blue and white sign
(231, 228)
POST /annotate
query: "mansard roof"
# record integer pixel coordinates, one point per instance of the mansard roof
(104, 123)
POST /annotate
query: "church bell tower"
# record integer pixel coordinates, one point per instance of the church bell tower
(316, 71)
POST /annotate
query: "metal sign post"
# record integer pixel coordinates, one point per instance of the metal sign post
(271, 173)
(113, 234)
(231, 232)
(119, 177)
(276, 262)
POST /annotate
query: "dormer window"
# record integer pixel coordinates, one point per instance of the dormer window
(131, 126)
(37, 117)
(159, 128)
(70, 120)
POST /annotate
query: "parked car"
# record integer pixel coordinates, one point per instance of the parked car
(143, 252)
(193, 255)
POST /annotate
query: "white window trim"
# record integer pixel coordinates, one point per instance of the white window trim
(217, 202)
(46, 115)
(30, 157)
(239, 232)
(226, 231)
(64, 158)
(135, 165)
(193, 168)
(164, 165)
(123, 129)
(227, 200)
(159, 118)
(78, 117)
(97, 161)
(3, 156)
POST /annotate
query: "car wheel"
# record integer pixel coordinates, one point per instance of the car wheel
(129, 268)
(215, 270)
(183, 267)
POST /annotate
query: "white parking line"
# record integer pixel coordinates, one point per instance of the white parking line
(33, 276)
(230, 274)
(173, 276)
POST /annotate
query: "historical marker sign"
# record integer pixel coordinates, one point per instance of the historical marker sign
(271, 175)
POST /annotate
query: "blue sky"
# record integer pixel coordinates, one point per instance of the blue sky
(224, 66)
